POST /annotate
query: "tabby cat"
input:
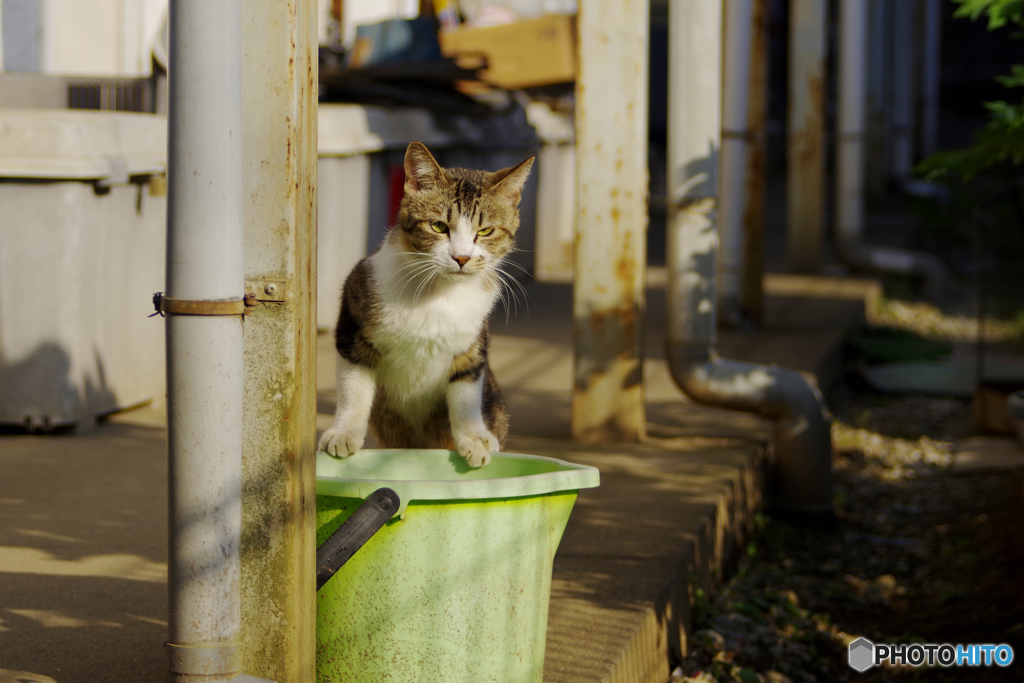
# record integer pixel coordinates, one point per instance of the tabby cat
(412, 331)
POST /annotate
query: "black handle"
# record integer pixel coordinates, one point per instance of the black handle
(354, 532)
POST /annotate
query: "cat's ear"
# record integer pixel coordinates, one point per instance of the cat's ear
(422, 171)
(510, 182)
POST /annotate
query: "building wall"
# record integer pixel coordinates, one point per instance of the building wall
(76, 38)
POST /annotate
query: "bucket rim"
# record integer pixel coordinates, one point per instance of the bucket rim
(566, 476)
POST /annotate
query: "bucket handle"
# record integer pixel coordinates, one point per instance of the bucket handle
(354, 532)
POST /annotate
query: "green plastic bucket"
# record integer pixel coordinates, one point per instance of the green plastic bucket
(455, 586)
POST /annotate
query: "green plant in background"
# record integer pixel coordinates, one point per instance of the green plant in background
(1001, 141)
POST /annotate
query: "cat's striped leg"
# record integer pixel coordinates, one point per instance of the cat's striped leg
(356, 385)
(473, 440)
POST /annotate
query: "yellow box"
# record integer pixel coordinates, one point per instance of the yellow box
(521, 55)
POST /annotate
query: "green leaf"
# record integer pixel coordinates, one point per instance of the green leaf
(748, 676)
(1000, 141)
(1000, 12)
(1015, 79)
(747, 609)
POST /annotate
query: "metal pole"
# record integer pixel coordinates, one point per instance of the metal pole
(877, 126)
(752, 292)
(204, 351)
(280, 81)
(805, 167)
(903, 89)
(931, 66)
(610, 252)
(850, 147)
(851, 123)
(739, 31)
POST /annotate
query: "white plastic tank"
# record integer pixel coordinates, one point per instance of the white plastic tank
(82, 243)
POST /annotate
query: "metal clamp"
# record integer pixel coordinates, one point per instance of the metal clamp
(166, 305)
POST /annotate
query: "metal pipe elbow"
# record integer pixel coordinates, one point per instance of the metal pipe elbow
(802, 474)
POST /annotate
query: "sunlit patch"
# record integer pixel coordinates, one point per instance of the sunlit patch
(48, 536)
(53, 619)
(12, 676)
(120, 566)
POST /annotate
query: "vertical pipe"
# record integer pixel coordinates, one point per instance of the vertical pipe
(903, 89)
(280, 79)
(610, 250)
(879, 51)
(694, 141)
(752, 293)
(850, 162)
(931, 67)
(739, 25)
(805, 160)
(204, 352)
(802, 477)
(851, 123)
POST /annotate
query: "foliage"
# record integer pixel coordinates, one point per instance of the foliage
(1000, 12)
(1001, 140)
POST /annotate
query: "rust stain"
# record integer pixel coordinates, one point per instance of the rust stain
(625, 270)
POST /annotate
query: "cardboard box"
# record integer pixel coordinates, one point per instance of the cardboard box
(521, 55)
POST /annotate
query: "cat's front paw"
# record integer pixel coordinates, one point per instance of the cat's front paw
(477, 447)
(341, 443)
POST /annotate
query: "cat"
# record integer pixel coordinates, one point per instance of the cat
(412, 332)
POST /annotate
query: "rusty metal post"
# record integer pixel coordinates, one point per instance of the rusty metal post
(610, 249)
(751, 292)
(805, 159)
(279, 89)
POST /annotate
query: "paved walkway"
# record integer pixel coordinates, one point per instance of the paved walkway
(83, 518)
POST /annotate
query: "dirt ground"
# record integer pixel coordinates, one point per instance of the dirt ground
(918, 553)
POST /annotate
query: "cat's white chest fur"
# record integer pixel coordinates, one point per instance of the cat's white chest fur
(419, 336)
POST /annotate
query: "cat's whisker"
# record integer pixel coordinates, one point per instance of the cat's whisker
(496, 282)
(426, 281)
(406, 266)
(424, 268)
(418, 279)
(501, 277)
(513, 263)
(508, 280)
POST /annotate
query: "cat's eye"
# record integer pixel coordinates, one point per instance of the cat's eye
(439, 226)
(485, 232)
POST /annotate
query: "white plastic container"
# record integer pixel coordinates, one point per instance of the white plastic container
(556, 193)
(82, 243)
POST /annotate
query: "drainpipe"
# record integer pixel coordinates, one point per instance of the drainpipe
(903, 88)
(802, 473)
(203, 303)
(931, 66)
(739, 25)
(850, 158)
(805, 134)
(752, 290)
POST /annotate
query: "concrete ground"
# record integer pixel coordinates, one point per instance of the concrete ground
(83, 519)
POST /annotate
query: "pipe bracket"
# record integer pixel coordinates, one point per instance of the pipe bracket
(166, 305)
(203, 660)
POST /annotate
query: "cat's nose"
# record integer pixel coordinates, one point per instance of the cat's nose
(461, 260)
